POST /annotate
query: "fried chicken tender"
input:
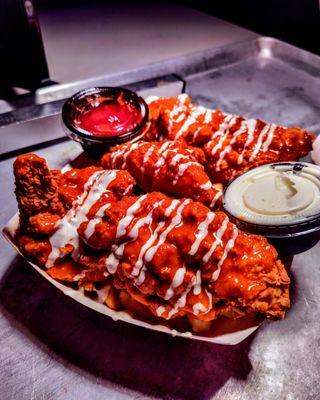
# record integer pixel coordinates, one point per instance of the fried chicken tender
(169, 167)
(36, 188)
(45, 197)
(174, 257)
(195, 262)
(232, 144)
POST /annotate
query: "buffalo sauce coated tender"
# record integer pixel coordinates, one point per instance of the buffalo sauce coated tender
(170, 254)
(232, 144)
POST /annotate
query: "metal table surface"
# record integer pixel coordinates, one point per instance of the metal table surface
(53, 348)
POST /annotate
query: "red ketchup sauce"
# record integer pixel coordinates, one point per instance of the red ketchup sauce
(110, 117)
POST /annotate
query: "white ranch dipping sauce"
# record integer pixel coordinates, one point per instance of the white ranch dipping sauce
(275, 194)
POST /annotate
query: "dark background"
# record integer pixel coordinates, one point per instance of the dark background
(24, 65)
(294, 21)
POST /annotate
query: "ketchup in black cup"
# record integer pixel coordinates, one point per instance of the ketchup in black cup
(101, 117)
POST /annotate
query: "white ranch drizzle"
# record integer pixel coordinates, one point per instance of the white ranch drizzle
(128, 149)
(206, 186)
(177, 115)
(228, 148)
(210, 299)
(196, 134)
(114, 155)
(183, 97)
(180, 118)
(180, 303)
(258, 144)
(207, 119)
(251, 124)
(208, 116)
(229, 246)
(140, 269)
(129, 188)
(160, 310)
(138, 264)
(111, 261)
(176, 282)
(151, 251)
(125, 155)
(202, 232)
(223, 131)
(133, 235)
(177, 158)
(191, 119)
(197, 283)
(163, 152)
(267, 143)
(95, 221)
(161, 160)
(125, 151)
(218, 236)
(128, 218)
(182, 168)
(147, 157)
(176, 221)
(178, 108)
(66, 232)
(200, 307)
(216, 198)
(77, 277)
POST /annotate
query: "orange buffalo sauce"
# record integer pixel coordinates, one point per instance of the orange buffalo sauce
(175, 255)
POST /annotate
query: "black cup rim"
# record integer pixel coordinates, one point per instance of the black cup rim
(83, 134)
(297, 166)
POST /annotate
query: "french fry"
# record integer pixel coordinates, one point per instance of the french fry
(112, 299)
(130, 304)
(198, 325)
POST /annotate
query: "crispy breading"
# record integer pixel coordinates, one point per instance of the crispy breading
(171, 167)
(238, 273)
(36, 187)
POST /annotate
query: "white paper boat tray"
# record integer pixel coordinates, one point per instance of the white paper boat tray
(222, 333)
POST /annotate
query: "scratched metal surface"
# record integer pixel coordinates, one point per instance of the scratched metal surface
(53, 348)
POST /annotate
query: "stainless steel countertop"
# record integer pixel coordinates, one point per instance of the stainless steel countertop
(95, 42)
(53, 348)
(87, 40)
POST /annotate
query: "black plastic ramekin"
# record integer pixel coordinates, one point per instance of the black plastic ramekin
(83, 102)
(288, 238)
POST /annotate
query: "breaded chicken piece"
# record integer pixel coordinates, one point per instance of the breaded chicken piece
(170, 167)
(179, 258)
(175, 257)
(232, 144)
(36, 187)
(44, 198)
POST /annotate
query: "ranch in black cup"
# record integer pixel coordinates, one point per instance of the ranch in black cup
(280, 201)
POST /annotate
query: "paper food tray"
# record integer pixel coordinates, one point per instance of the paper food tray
(226, 331)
